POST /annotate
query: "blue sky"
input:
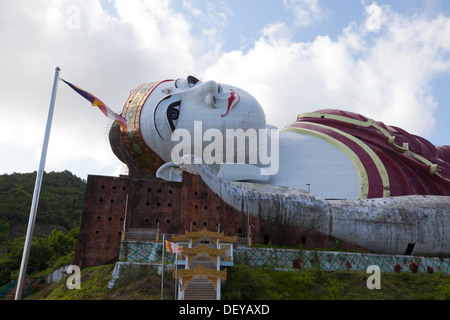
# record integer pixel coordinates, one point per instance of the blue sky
(247, 18)
(389, 60)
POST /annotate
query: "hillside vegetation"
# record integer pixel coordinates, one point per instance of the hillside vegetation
(59, 215)
(57, 221)
(60, 202)
(247, 283)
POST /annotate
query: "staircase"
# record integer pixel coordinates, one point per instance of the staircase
(200, 289)
(202, 277)
(206, 262)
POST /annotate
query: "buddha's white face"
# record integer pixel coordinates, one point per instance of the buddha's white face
(186, 103)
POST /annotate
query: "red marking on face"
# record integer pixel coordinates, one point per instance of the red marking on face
(233, 100)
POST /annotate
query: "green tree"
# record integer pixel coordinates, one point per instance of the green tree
(60, 202)
(51, 251)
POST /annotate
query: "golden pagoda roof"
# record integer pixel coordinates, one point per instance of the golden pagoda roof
(204, 234)
(201, 271)
(203, 249)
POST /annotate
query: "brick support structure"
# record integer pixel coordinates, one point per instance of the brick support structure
(112, 203)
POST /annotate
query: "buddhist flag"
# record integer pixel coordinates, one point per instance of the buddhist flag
(103, 108)
(173, 247)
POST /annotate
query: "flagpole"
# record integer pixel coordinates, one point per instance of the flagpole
(125, 219)
(176, 273)
(37, 190)
(162, 269)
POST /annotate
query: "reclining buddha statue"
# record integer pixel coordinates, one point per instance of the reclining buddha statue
(332, 171)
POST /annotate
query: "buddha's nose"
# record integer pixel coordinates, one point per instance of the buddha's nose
(205, 93)
(209, 91)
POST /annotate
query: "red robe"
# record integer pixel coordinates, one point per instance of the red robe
(391, 161)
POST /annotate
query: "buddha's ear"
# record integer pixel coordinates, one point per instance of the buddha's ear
(169, 171)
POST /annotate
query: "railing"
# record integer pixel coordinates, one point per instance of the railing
(142, 234)
(141, 251)
(146, 234)
(7, 288)
(244, 242)
(331, 261)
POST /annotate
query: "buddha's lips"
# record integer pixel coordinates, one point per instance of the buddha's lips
(233, 100)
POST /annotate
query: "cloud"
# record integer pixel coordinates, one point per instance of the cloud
(108, 48)
(380, 70)
(107, 53)
(306, 12)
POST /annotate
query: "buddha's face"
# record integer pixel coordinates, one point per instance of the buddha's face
(194, 107)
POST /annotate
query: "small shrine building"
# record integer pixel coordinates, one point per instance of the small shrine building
(205, 257)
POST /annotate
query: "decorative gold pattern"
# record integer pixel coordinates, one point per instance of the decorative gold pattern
(202, 271)
(205, 250)
(391, 139)
(204, 234)
(147, 159)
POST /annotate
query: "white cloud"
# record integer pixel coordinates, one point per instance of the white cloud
(277, 34)
(105, 50)
(305, 12)
(385, 75)
(189, 6)
(161, 33)
(105, 54)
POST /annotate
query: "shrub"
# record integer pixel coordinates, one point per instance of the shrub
(348, 265)
(414, 267)
(297, 263)
(430, 270)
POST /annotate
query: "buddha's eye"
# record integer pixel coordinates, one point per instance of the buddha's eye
(186, 83)
(192, 81)
(173, 112)
(165, 116)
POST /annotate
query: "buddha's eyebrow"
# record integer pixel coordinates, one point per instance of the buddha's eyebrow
(190, 81)
(176, 86)
(154, 114)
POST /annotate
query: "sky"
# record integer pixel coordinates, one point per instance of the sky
(387, 60)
